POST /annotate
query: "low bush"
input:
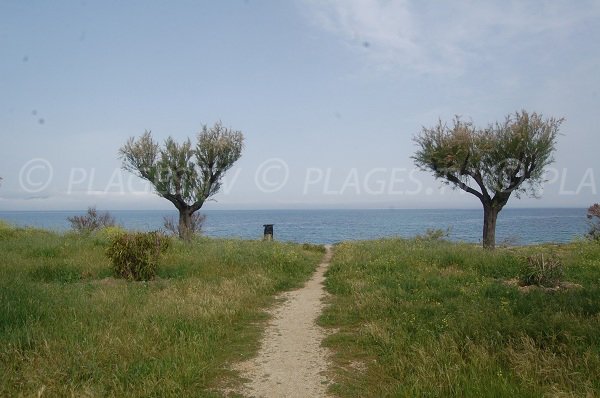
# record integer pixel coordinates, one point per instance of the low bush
(434, 234)
(542, 270)
(135, 256)
(91, 221)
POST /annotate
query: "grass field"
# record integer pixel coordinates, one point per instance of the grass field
(435, 319)
(68, 329)
(408, 318)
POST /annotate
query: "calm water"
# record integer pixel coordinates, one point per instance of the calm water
(518, 226)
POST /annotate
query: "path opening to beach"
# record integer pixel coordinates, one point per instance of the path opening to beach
(291, 361)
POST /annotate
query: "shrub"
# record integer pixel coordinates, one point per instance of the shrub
(197, 221)
(91, 221)
(135, 256)
(434, 234)
(593, 214)
(542, 270)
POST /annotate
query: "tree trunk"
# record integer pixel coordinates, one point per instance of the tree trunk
(185, 224)
(490, 215)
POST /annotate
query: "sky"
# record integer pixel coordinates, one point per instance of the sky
(328, 95)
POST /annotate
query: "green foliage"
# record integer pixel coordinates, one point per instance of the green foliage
(218, 148)
(135, 256)
(415, 319)
(107, 235)
(499, 159)
(184, 174)
(434, 234)
(92, 221)
(64, 273)
(490, 163)
(72, 330)
(314, 248)
(7, 230)
(593, 214)
(542, 270)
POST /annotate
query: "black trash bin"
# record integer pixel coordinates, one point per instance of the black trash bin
(268, 231)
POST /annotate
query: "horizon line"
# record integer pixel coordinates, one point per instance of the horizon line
(309, 209)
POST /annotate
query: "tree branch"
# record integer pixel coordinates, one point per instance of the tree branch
(478, 178)
(177, 201)
(455, 180)
(197, 205)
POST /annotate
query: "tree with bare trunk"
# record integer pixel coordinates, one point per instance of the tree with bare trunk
(490, 163)
(195, 226)
(92, 221)
(184, 174)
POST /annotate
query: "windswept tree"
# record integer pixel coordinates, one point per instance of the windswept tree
(490, 163)
(184, 174)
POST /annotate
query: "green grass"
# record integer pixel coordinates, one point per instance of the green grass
(67, 328)
(435, 319)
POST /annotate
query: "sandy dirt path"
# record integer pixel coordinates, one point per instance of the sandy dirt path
(291, 361)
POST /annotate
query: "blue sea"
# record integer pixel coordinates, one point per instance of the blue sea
(515, 226)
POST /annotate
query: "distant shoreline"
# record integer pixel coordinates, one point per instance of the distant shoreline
(516, 226)
(309, 209)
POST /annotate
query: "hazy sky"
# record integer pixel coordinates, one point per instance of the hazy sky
(327, 93)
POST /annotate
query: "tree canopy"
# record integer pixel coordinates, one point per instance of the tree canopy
(185, 174)
(593, 214)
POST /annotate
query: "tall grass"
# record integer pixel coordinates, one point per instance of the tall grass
(68, 328)
(416, 318)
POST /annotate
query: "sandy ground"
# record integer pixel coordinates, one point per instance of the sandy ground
(291, 361)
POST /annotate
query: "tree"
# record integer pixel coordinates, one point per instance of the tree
(91, 221)
(490, 163)
(593, 214)
(183, 174)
